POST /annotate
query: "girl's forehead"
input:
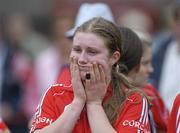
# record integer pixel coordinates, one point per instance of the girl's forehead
(89, 39)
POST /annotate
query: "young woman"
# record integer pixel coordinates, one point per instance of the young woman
(139, 77)
(96, 97)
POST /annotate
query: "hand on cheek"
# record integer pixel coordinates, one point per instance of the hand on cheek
(96, 86)
(105, 68)
(78, 88)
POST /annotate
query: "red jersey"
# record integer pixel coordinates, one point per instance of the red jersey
(159, 111)
(133, 116)
(174, 119)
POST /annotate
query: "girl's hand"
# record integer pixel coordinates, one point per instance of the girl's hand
(97, 85)
(78, 88)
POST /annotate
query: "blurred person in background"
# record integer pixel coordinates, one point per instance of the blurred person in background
(26, 30)
(166, 60)
(16, 76)
(139, 77)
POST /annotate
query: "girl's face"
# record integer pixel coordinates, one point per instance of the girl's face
(145, 68)
(89, 48)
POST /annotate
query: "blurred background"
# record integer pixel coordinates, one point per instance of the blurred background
(34, 48)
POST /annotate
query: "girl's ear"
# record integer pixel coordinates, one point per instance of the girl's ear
(115, 57)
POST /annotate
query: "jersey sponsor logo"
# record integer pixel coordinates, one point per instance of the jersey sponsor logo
(43, 120)
(133, 123)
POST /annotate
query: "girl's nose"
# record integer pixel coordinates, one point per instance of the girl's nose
(83, 59)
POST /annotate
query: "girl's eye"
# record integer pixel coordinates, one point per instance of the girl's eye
(77, 50)
(92, 51)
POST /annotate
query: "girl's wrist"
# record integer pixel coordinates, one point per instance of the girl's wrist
(78, 103)
(94, 103)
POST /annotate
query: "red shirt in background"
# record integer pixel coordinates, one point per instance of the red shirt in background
(174, 119)
(159, 111)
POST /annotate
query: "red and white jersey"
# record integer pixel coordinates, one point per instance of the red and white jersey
(158, 109)
(174, 119)
(132, 118)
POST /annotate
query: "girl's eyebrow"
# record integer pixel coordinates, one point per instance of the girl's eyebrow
(94, 47)
(89, 47)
